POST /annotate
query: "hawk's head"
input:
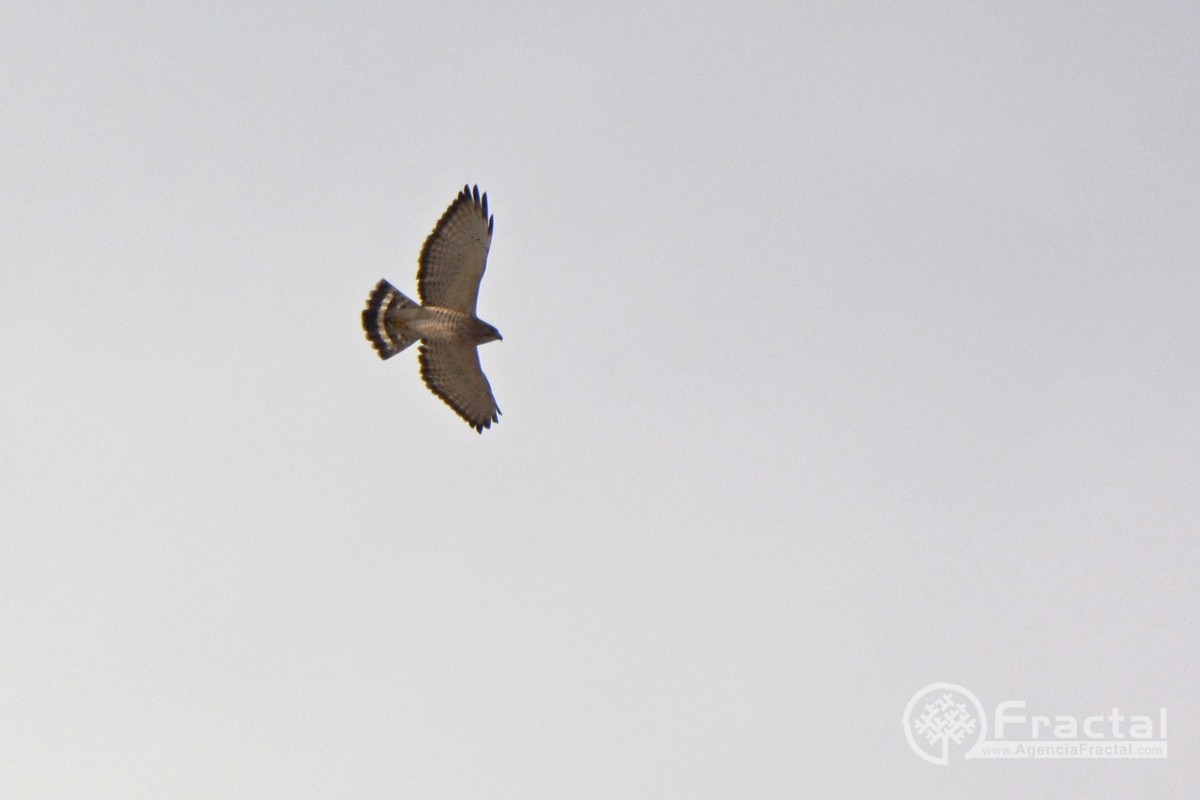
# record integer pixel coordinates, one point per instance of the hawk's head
(485, 333)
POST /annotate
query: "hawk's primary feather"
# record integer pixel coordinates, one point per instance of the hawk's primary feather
(452, 372)
(455, 254)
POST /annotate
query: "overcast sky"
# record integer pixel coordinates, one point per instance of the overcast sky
(848, 348)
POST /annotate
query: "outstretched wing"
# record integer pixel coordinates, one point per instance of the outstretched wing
(455, 254)
(452, 372)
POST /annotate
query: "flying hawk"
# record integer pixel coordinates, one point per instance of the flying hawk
(451, 267)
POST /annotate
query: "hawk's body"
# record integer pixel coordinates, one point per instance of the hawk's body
(451, 266)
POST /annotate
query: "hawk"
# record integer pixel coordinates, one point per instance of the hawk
(451, 267)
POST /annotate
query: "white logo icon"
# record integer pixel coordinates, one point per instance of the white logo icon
(943, 718)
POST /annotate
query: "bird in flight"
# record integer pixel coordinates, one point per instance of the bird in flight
(450, 269)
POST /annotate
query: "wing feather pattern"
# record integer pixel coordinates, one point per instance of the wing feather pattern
(455, 254)
(452, 372)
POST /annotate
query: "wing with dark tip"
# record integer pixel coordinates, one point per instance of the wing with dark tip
(455, 254)
(452, 372)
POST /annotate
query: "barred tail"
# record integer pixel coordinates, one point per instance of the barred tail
(384, 329)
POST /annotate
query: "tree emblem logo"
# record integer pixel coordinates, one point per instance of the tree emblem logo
(941, 719)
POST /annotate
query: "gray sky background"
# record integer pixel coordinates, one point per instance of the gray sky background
(847, 349)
